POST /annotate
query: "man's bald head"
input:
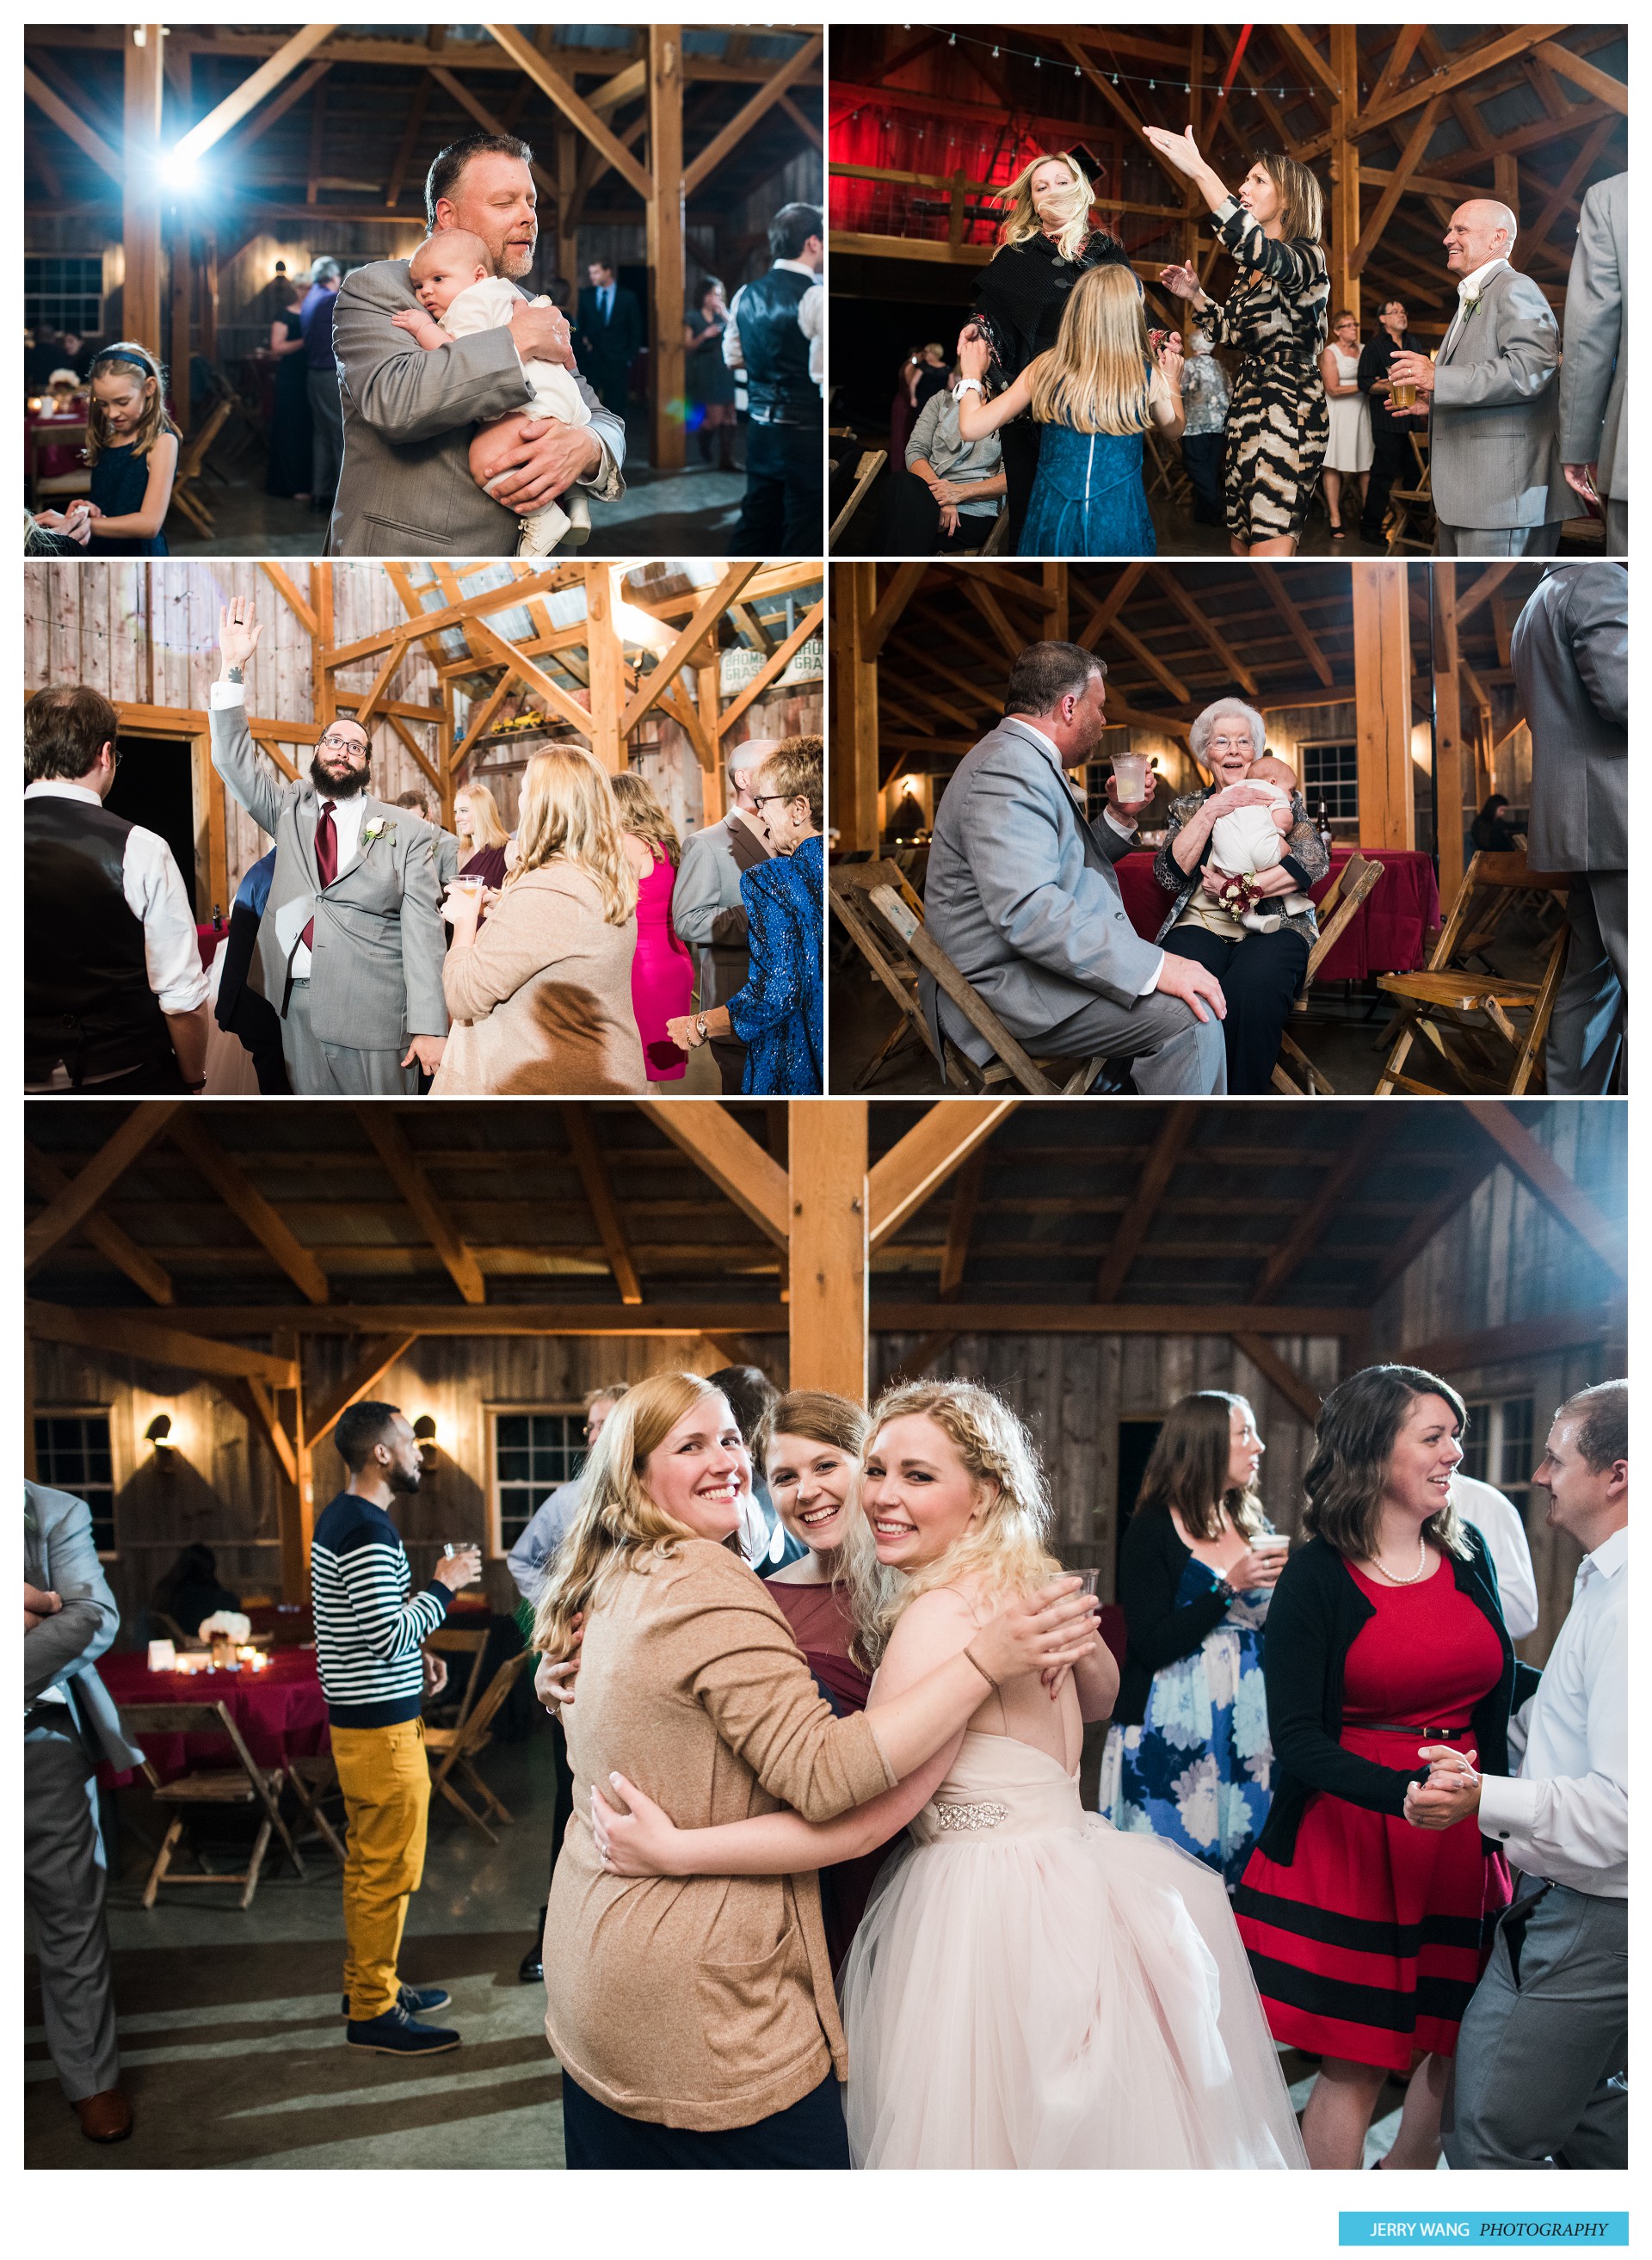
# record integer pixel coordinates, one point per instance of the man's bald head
(1480, 230)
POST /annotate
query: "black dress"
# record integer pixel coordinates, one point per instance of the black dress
(120, 479)
(711, 379)
(1023, 294)
(290, 431)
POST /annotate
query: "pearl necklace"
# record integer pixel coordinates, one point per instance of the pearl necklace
(1393, 1578)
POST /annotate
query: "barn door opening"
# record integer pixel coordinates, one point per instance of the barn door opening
(1136, 1440)
(154, 786)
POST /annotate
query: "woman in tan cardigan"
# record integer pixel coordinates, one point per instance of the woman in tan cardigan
(540, 999)
(694, 2017)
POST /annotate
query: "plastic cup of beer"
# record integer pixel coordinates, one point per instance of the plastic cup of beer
(1130, 775)
(1404, 393)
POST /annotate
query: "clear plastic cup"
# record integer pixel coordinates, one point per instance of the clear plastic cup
(1130, 775)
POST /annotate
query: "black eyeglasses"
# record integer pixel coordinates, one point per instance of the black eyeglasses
(759, 798)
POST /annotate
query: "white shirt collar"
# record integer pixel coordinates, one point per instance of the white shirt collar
(1048, 744)
(1611, 1555)
(59, 789)
(797, 266)
(1471, 285)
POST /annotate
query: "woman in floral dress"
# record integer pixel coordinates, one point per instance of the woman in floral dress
(1187, 1755)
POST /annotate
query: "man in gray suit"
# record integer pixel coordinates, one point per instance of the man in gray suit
(350, 946)
(1492, 436)
(1022, 896)
(707, 907)
(1594, 370)
(409, 416)
(1570, 655)
(70, 1724)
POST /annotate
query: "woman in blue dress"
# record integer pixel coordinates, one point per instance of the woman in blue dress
(777, 1014)
(1095, 393)
(1188, 1756)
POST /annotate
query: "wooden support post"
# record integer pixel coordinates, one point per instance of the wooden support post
(1382, 694)
(447, 767)
(1447, 713)
(854, 764)
(178, 321)
(1345, 169)
(295, 1499)
(567, 228)
(206, 303)
(607, 670)
(1055, 591)
(665, 245)
(829, 1258)
(321, 684)
(708, 684)
(141, 193)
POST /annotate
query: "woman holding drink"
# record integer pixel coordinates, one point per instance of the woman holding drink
(1188, 1756)
(1260, 973)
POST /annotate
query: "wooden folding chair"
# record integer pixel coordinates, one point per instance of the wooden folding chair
(998, 537)
(884, 918)
(192, 463)
(871, 464)
(1352, 885)
(448, 1709)
(167, 1627)
(457, 1748)
(247, 1783)
(1467, 1016)
(1410, 523)
(314, 1782)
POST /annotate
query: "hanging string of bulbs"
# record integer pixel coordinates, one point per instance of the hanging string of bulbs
(1172, 78)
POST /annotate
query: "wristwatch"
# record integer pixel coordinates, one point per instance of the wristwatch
(700, 1029)
(1226, 1591)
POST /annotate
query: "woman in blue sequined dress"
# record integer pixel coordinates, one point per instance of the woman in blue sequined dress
(1188, 1756)
(777, 1015)
(1095, 392)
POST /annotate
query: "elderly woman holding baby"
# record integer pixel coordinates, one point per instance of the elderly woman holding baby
(1249, 920)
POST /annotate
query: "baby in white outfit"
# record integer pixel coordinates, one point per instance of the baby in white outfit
(459, 293)
(1253, 838)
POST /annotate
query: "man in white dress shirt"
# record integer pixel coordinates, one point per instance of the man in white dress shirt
(114, 993)
(1539, 2074)
(774, 338)
(1497, 1521)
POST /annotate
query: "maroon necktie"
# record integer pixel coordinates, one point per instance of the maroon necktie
(326, 860)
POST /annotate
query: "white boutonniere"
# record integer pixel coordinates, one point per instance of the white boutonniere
(370, 831)
(1470, 304)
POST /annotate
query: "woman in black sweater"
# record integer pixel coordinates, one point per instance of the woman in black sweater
(1187, 1754)
(1367, 1935)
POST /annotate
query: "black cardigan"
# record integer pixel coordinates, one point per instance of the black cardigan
(1316, 1615)
(1151, 1561)
(1023, 291)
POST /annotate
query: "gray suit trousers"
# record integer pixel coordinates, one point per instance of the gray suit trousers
(1171, 1054)
(1617, 527)
(1539, 2075)
(63, 1883)
(1586, 1028)
(1496, 541)
(318, 1071)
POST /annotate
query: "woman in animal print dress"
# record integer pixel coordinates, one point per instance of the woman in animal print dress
(1279, 421)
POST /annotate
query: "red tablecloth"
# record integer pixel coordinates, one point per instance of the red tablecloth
(1388, 934)
(43, 460)
(281, 1711)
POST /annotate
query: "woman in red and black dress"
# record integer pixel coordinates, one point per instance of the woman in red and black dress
(1366, 1934)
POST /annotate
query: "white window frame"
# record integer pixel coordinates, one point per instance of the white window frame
(1487, 1422)
(119, 1476)
(1311, 793)
(573, 1410)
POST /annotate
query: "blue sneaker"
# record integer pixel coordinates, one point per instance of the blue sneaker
(396, 2034)
(413, 2001)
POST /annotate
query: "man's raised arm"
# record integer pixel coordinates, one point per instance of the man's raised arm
(247, 776)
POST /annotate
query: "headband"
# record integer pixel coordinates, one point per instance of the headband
(132, 361)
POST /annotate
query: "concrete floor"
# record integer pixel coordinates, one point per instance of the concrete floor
(232, 2044)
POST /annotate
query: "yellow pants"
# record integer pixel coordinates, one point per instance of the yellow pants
(385, 1777)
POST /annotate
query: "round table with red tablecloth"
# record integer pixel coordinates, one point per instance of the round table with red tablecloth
(281, 1711)
(1388, 934)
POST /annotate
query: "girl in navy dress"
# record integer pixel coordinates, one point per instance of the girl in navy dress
(1095, 393)
(131, 445)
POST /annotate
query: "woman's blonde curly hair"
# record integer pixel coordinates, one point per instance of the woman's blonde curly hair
(1004, 1548)
(1021, 222)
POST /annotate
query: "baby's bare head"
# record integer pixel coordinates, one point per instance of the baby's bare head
(1269, 769)
(446, 264)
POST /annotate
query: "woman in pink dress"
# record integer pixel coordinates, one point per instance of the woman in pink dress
(663, 971)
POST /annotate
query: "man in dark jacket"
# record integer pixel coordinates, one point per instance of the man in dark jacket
(609, 334)
(776, 333)
(1390, 435)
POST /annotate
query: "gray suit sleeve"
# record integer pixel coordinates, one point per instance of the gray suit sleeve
(247, 776)
(1598, 618)
(697, 897)
(1594, 332)
(423, 943)
(604, 484)
(447, 859)
(1528, 347)
(88, 1620)
(407, 394)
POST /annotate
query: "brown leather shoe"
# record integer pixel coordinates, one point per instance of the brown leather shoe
(105, 2118)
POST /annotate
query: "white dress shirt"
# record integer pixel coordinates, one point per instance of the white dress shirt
(1497, 1521)
(1126, 831)
(1565, 1816)
(811, 319)
(1469, 287)
(154, 887)
(346, 819)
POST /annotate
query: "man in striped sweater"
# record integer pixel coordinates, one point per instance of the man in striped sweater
(369, 1636)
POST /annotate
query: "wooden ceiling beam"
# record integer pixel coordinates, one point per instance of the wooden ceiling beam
(375, 1363)
(1165, 578)
(457, 615)
(135, 1334)
(257, 1407)
(966, 1198)
(1456, 74)
(1163, 1156)
(702, 620)
(1149, 659)
(902, 1179)
(599, 1196)
(408, 143)
(772, 667)
(549, 693)
(1525, 1339)
(457, 91)
(1398, 180)
(273, 112)
(42, 1174)
(1598, 84)
(736, 1164)
(236, 1189)
(91, 143)
(294, 52)
(1296, 1392)
(1286, 608)
(1542, 1175)
(389, 1142)
(1372, 1139)
(69, 1209)
(700, 169)
(573, 106)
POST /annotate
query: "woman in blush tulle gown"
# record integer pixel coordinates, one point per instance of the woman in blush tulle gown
(663, 970)
(1028, 1987)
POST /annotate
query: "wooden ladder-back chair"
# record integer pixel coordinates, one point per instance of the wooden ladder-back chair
(192, 463)
(455, 1749)
(314, 1783)
(1468, 1016)
(870, 464)
(1410, 523)
(245, 1783)
(885, 920)
(1351, 887)
(448, 1709)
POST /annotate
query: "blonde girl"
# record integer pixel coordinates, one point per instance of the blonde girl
(540, 998)
(1095, 393)
(132, 446)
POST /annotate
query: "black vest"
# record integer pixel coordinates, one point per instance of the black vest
(779, 388)
(86, 998)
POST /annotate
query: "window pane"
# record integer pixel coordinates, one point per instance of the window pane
(510, 1430)
(1517, 1461)
(514, 1467)
(72, 1454)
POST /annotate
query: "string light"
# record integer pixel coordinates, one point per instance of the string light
(1204, 86)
